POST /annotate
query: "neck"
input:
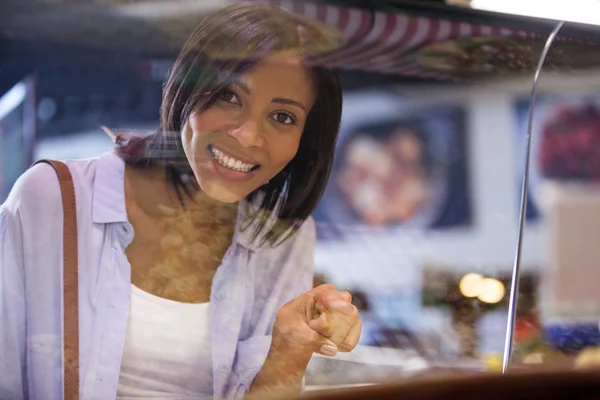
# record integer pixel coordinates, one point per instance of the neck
(149, 192)
(178, 245)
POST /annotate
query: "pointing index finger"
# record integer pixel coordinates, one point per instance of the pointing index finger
(334, 303)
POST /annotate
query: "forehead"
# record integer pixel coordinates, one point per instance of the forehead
(282, 74)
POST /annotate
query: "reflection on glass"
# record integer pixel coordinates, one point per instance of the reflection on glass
(417, 218)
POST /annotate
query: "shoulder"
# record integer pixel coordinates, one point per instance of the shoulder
(37, 187)
(36, 195)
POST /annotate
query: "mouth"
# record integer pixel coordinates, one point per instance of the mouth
(231, 162)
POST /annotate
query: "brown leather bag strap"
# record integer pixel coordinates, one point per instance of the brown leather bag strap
(70, 281)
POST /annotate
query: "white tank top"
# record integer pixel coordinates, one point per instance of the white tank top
(167, 351)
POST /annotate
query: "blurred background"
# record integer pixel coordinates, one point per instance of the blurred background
(420, 217)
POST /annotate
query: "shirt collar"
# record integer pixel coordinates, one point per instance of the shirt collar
(108, 203)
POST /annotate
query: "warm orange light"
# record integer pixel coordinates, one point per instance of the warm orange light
(491, 291)
(470, 284)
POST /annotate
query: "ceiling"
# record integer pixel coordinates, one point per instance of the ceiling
(161, 26)
(144, 26)
(158, 28)
(92, 57)
(150, 26)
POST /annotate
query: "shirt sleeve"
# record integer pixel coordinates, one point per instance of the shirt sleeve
(295, 279)
(30, 305)
(13, 382)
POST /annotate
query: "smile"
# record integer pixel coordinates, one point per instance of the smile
(230, 162)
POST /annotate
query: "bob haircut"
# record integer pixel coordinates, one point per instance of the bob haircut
(226, 44)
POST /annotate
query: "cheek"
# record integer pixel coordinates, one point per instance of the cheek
(194, 131)
(284, 151)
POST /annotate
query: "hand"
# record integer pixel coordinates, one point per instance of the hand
(322, 320)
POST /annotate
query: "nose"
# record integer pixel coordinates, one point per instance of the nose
(248, 132)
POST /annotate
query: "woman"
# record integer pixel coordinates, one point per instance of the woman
(195, 274)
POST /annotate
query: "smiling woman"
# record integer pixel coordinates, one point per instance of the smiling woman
(197, 242)
(230, 71)
(256, 121)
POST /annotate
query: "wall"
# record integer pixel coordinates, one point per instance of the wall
(392, 264)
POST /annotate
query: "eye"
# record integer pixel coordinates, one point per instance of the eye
(229, 96)
(284, 118)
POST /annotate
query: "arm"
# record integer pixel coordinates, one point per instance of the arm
(30, 294)
(297, 331)
(13, 377)
(283, 371)
(284, 365)
(322, 320)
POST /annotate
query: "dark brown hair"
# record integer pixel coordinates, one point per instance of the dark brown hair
(224, 45)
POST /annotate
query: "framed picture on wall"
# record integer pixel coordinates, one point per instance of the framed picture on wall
(398, 165)
(565, 143)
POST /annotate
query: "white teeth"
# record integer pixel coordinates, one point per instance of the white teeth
(230, 162)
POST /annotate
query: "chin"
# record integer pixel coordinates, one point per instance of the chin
(222, 194)
(228, 199)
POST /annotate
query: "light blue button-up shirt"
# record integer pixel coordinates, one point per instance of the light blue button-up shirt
(250, 285)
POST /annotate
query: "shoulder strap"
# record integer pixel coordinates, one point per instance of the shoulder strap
(71, 281)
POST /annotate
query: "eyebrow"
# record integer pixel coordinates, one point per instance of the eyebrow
(291, 102)
(279, 100)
